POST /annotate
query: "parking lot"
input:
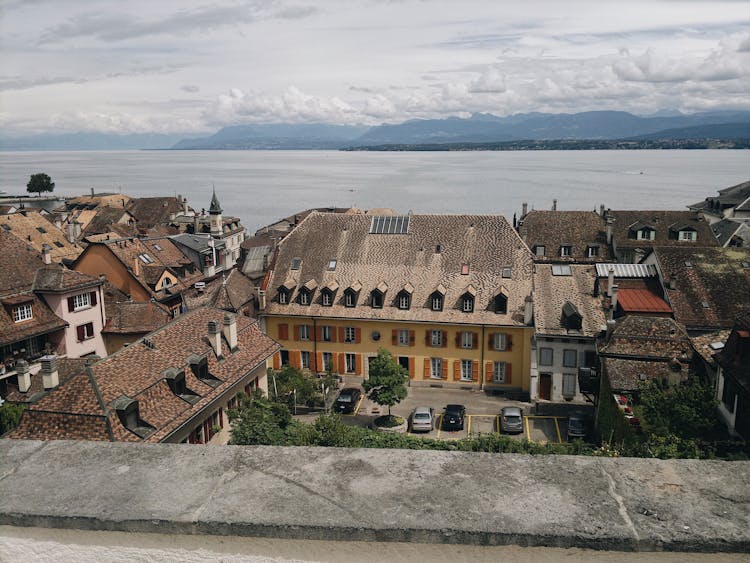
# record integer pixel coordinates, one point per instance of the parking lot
(482, 415)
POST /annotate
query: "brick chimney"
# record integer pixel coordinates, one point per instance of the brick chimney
(50, 376)
(23, 376)
(214, 337)
(230, 330)
(46, 254)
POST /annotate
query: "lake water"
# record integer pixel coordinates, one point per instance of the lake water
(262, 186)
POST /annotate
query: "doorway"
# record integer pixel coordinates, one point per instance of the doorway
(403, 361)
(545, 386)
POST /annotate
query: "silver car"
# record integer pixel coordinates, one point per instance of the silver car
(511, 420)
(422, 419)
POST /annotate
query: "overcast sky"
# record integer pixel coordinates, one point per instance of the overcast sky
(194, 66)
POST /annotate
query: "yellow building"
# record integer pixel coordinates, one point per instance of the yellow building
(448, 295)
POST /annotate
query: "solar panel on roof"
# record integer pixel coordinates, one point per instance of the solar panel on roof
(390, 225)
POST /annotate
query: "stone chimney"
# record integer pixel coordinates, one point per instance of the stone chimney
(184, 206)
(554, 205)
(214, 337)
(610, 222)
(50, 376)
(23, 376)
(524, 209)
(230, 330)
(528, 310)
(196, 224)
(610, 281)
(92, 192)
(77, 229)
(261, 299)
(46, 257)
(601, 210)
(615, 289)
(70, 232)
(610, 327)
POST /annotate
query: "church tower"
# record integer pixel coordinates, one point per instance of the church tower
(215, 216)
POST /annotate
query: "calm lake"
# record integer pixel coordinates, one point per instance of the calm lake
(261, 186)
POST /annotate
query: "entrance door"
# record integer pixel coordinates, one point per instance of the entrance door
(403, 361)
(285, 357)
(545, 386)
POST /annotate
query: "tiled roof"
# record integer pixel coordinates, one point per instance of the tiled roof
(482, 246)
(135, 317)
(34, 230)
(151, 211)
(97, 200)
(67, 368)
(137, 372)
(725, 229)
(641, 301)
(703, 344)
(626, 375)
(256, 258)
(19, 265)
(104, 218)
(578, 229)
(710, 284)
(5, 209)
(230, 292)
(57, 279)
(551, 292)
(649, 338)
(664, 223)
(735, 356)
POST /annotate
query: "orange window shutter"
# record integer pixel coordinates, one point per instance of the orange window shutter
(488, 372)
(276, 361)
(445, 368)
(283, 331)
(475, 371)
(394, 337)
(294, 359)
(342, 363)
(445, 339)
(456, 370)
(411, 367)
(296, 332)
(357, 335)
(358, 364)
(474, 340)
(458, 339)
(319, 362)
(411, 338)
(426, 372)
(507, 373)
(341, 334)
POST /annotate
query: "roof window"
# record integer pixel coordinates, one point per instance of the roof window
(296, 262)
(332, 265)
(561, 270)
(145, 258)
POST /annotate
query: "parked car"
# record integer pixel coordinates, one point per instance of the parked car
(453, 417)
(577, 423)
(511, 420)
(347, 400)
(422, 419)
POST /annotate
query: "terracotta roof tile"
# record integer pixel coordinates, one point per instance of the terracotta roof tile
(60, 279)
(664, 224)
(131, 317)
(33, 229)
(578, 229)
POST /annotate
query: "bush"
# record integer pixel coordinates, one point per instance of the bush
(10, 416)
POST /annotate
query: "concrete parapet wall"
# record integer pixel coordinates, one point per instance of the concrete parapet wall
(378, 495)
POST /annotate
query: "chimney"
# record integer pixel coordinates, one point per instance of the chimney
(184, 206)
(601, 210)
(196, 226)
(214, 337)
(610, 327)
(610, 281)
(77, 229)
(46, 254)
(92, 192)
(524, 209)
(554, 205)
(136, 267)
(230, 330)
(23, 376)
(50, 376)
(261, 299)
(70, 232)
(58, 223)
(610, 228)
(615, 289)
(528, 310)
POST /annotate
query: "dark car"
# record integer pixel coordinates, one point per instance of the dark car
(453, 417)
(577, 423)
(511, 420)
(346, 402)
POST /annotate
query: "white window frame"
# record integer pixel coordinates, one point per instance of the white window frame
(688, 235)
(498, 372)
(567, 353)
(403, 337)
(436, 339)
(500, 341)
(467, 340)
(551, 356)
(81, 301)
(467, 369)
(304, 298)
(304, 359)
(350, 361)
(86, 335)
(350, 334)
(304, 332)
(326, 299)
(327, 361)
(326, 333)
(283, 297)
(467, 306)
(23, 312)
(349, 299)
(566, 250)
(403, 301)
(436, 368)
(437, 303)
(646, 234)
(593, 251)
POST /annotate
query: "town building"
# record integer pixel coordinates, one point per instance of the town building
(175, 385)
(33, 229)
(733, 379)
(128, 321)
(232, 291)
(448, 295)
(732, 233)
(631, 289)
(732, 202)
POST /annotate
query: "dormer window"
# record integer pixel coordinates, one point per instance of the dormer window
(571, 318)
(645, 233)
(467, 303)
(592, 251)
(350, 298)
(501, 303)
(326, 298)
(376, 299)
(283, 296)
(304, 296)
(403, 300)
(540, 250)
(23, 312)
(436, 302)
(688, 235)
(176, 381)
(129, 414)
(566, 250)
(199, 367)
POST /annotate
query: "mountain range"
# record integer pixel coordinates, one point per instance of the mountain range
(478, 128)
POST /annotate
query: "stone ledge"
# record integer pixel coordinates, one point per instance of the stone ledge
(378, 495)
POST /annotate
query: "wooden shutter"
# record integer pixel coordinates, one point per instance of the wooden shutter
(71, 304)
(507, 373)
(295, 359)
(456, 370)
(394, 337)
(411, 367)
(80, 333)
(342, 335)
(411, 338)
(93, 298)
(445, 369)
(426, 372)
(428, 338)
(319, 335)
(491, 341)
(445, 339)
(296, 332)
(358, 363)
(283, 331)
(342, 363)
(319, 365)
(357, 335)
(508, 342)
(276, 361)
(488, 372)
(474, 340)
(474, 370)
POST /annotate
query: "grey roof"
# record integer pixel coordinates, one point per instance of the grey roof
(626, 270)
(199, 243)
(215, 205)
(725, 229)
(255, 259)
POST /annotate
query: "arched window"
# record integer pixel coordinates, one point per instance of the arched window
(501, 303)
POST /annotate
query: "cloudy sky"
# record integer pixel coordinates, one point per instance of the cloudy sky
(194, 66)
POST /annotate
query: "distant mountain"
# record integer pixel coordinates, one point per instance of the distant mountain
(277, 136)
(717, 131)
(89, 142)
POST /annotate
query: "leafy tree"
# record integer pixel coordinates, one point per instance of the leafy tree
(285, 382)
(39, 183)
(10, 416)
(259, 421)
(387, 382)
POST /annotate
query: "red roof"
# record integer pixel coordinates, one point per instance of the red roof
(641, 301)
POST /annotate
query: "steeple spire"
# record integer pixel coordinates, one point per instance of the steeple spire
(215, 205)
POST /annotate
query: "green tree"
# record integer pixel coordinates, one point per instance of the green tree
(259, 421)
(289, 385)
(387, 382)
(39, 183)
(10, 416)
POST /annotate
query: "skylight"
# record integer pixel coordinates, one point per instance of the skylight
(390, 225)
(561, 270)
(145, 258)
(296, 263)
(332, 264)
(507, 272)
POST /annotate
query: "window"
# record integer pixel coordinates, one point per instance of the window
(283, 297)
(84, 332)
(436, 338)
(498, 372)
(569, 385)
(332, 265)
(436, 302)
(646, 234)
(570, 358)
(167, 282)
(296, 262)
(467, 367)
(688, 235)
(81, 301)
(350, 298)
(566, 250)
(403, 300)
(540, 250)
(436, 368)
(325, 333)
(327, 361)
(350, 334)
(145, 258)
(499, 341)
(327, 298)
(592, 251)
(351, 363)
(507, 272)
(41, 230)
(403, 337)
(467, 305)
(157, 247)
(501, 303)
(22, 313)
(467, 340)
(561, 270)
(377, 300)
(546, 357)
(304, 332)
(304, 297)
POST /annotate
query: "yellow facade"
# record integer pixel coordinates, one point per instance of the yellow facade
(445, 363)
